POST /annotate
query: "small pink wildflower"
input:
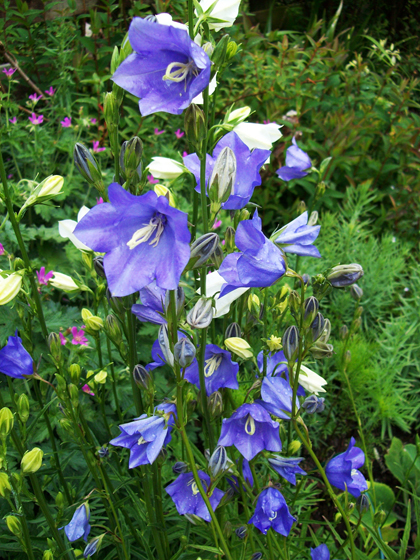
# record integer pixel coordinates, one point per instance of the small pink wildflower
(9, 72)
(223, 242)
(50, 91)
(79, 337)
(217, 223)
(267, 122)
(99, 200)
(158, 132)
(10, 176)
(184, 154)
(35, 98)
(2, 250)
(179, 134)
(96, 147)
(63, 339)
(66, 123)
(152, 180)
(43, 278)
(86, 389)
(13, 120)
(36, 120)
(92, 121)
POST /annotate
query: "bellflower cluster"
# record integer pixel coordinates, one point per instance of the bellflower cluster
(187, 498)
(342, 471)
(247, 173)
(272, 512)
(259, 263)
(219, 370)
(144, 238)
(297, 162)
(15, 360)
(146, 436)
(167, 69)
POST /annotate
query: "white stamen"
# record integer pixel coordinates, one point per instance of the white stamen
(194, 487)
(178, 71)
(274, 515)
(145, 233)
(250, 425)
(212, 364)
(141, 440)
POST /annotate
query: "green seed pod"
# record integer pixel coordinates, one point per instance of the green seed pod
(14, 526)
(32, 461)
(194, 125)
(6, 422)
(23, 408)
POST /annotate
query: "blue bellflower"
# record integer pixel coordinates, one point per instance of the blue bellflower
(219, 370)
(272, 512)
(342, 470)
(321, 552)
(250, 429)
(259, 263)
(159, 360)
(144, 238)
(297, 237)
(79, 524)
(146, 436)
(151, 309)
(277, 395)
(287, 467)
(167, 69)
(247, 172)
(187, 498)
(297, 161)
(277, 367)
(15, 360)
(246, 473)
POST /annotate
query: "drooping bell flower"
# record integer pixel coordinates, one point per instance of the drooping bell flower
(297, 161)
(144, 238)
(272, 512)
(321, 552)
(287, 467)
(259, 263)
(79, 524)
(342, 471)
(167, 69)
(187, 498)
(247, 169)
(276, 366)
(15, 360)
(219, 370)
(146, 436)
(297, 237)
(151, 308)
(250, 429)
(277, 396)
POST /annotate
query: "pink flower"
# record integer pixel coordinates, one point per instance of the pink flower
(43, 278)
(66, 123)
(13, 120)
(99, 200)
(152, 180)
(223, 242)
(217, 223)
(2, 250)
(92, 121)
(88, 390)
(96, 147)
(63, 339)
(184, 154)
(179, 134)
(157, 131)
(10, 176)
(36, 120)
(35, 98)
(9, 71)
(50, 91)
(267, 122)
(79, 337)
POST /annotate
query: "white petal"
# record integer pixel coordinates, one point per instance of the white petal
(256, 135)
(165, 168)
(166, 19)
(311, 381)
(226, 10)
(82, 212)
(198, 100)
(214, 283)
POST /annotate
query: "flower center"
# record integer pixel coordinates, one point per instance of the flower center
(212, 364)
(194, 487)
(250, 425)
(155, 226)
(180, 71)
(273, 516)
(141, 441)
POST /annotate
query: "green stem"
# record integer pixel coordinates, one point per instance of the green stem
(157, 490)
(203, 394)
(270, 545)
(203, 156)
(131, 326)
(265, 330)
(22, 248)
(28, 545)
(191, 21)
(151, 514)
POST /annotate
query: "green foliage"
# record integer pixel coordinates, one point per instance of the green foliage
(404, 463)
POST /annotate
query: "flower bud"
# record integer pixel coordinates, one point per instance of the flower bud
(230, 239)
(379, 517)
(179, 300)
(237, 116)
(316, 329)
(100, 377)
(201, 315)
(362, 503)
(325, 336)
(130, 158)
(64, 282)
(180, 468)
(6, 422)
(98, 265)
(356, 292)
(215, 404)
(116, 303)
(347, 356)
(290, 342)
(184, 352)
(223, 177)
(322, 350)
(345, 275)
(231, 50)
(59, 500)
(241, 532)
(217, 257)
(344, 331)
(91, 321)
(93, 546)
(54, 344)
(9, 287)
(111, 111)
(142, 377)
(244, 214)
(50, 186)
(103, 452)
(14, 526)
(294, 303)
(294, 447)
(23, 408)
(5, 488)
(233, 331)
(203, 249)
(75, 371)
(32, 460)
(306, 279)
(313, 218)
(219, 53)
(311, 309)
(112, 328)
(87, 166)
(194, 125)
(254, 305)
(48, 555)
(314, 404)
(239, 346)
(218, 461)
(256, 556)
(165, 346)
(357, 323)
